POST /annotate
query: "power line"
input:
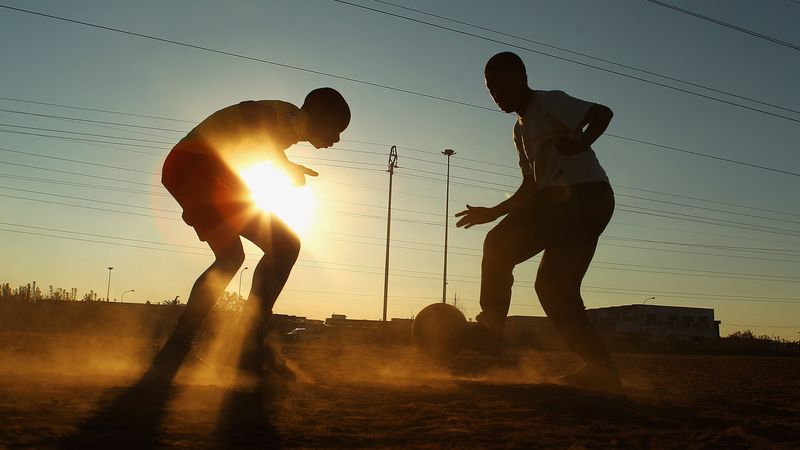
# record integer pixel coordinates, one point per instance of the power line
(638, 210)
(780, 300)
(754, 258)
(88, 207)
(707, 220)
(468, 179)
(77, 173)
(77, 161)
(738, 205)
(585, 55)
(368, 216)
(622, 266)
(665, 214)
(84, 185)
(68, 138)
(726, 24)
(89, 200)
(103, 187)
(641, 210)
(624, 138)
(715, 235)
(52, 116)
(769, 251)
(107, 111)
(708, 209)
(410, 91)
(249, 58)
(697, 272)
(467, 168)
(596, 289)
(88, 134)
(704, 155)
(539, 52)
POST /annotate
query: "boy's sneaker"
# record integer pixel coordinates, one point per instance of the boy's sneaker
(277, 365)
(481, 339)
(262, 360)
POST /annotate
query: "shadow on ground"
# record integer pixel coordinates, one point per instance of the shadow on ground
(143, 418)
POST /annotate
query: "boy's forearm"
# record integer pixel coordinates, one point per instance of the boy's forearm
(280, 158)
(519, 198)
(598, 121)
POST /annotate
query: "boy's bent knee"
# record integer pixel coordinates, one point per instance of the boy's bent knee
(545, 289)
(495, 245)
(288, 248)
(230, 260)
(553, 291)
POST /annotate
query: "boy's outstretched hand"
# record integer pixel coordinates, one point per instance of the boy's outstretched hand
(476, 215)
(298, 174)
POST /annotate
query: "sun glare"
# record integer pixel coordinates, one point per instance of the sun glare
(273, 191)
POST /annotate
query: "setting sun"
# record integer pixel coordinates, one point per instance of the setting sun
(273, 191)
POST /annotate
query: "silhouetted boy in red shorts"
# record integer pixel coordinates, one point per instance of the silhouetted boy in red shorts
(202, 173)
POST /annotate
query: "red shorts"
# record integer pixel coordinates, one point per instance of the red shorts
(214, 199)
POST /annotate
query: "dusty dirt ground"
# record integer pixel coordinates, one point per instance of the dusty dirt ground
(66, 391)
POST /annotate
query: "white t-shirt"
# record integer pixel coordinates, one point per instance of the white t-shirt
(550, 115)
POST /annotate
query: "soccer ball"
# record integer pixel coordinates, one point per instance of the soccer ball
(438, 330)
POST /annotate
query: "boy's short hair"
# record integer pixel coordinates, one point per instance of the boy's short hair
(327, 102)
(505, 63)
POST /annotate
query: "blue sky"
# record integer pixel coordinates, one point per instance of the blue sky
(744, 268)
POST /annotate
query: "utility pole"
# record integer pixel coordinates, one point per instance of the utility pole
(392, 166)
(108, 288)
(448, 152)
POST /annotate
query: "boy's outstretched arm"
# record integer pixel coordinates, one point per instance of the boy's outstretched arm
(296, 172)
(476, 215)
(299, 173)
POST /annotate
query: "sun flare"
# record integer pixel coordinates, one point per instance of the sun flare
(273, 191)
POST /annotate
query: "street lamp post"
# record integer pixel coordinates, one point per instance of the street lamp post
(448, 152)
(108, 288)
(122, 297)
(239, 293)
(648, 298)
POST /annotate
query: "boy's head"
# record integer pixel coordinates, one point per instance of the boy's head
(328, 115)
(506, 80)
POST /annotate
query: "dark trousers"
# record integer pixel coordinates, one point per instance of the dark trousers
(565, 222)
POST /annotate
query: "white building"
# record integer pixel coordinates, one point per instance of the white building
(656, 320)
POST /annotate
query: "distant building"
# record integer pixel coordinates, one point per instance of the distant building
(396, 329)
(341, 320)
(656, 320)
(648, 320)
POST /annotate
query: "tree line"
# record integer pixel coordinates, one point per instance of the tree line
(31, 293)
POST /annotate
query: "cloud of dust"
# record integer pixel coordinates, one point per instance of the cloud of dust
(91, 339)
(92, 356)
(406, 366)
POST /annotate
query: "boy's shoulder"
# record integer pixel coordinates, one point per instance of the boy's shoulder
(276, 112)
